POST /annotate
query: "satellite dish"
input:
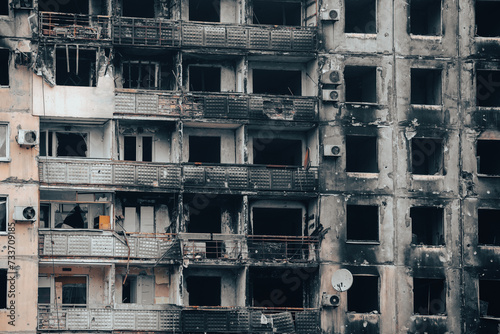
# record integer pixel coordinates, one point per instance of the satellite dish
(342, 280)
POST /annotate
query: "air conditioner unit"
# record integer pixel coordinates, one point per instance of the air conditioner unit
(330, 300)
(331, 95)
(331, 77)
(25, 213)
(330, 15)
(27, 137)
(332, 151)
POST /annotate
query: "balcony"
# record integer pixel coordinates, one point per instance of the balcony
(161, 33)
(74, 26)
(191, 320)
(216, 105)
(116, 174)
(283, 248)
(211, 246)
(87, 244)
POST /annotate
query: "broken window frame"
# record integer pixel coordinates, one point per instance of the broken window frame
(6, 67)
(93, 72)
(190, 66)
(435, 76)
(438, 163)
(4, 213)
(58, 211)
(86, 295)
(3, 288)
(302, 9)
(368, 24)
(354, 286)
(441, 221)
(439, 32)
(51, 143)
(139, 147)
(431, 298)
(140, 64)
(4, 142)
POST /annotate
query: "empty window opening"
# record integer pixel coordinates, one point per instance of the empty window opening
(3, 288)
(204, 290)
(362, 297)
(204, 79)
(134, 8)
(140, 75)
(72, 289)
(360, 84)
(138, 289)
(275, 151)
(277, 13)
(204, 10)
(44, 290)
(269, 288)
(487, 88)
(487, 19)
(487, 159)
(138, 148)
(206, 220)
(71, 6)
(362, 223)
(129, 290)
(361, 154)
(44, 216)
(488, 221)
(277, 82)
(427, 156)
(489, 290)
(426, 87)
(3, 214)
(204, 149)
(75, 67)
(71, 144)
(425, 17)
(4, 7)
(429, 297)
(277, 221)
(427, 226)
(360, 17)
(4, 67)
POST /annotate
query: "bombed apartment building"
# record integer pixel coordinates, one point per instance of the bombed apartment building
(249, 166)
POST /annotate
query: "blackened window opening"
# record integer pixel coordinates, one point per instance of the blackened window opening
(425, 17)
(204, 290)
(488, 88)
(427, 156)
(204, 79)
(277, 13)
(204, 10)
(488, 221)
(75, 68)
(361, 154)
(426, 87)
(277, 221)
(204, 149)
(134, 8)
(362, 223)
(130, 148)
(360, 84)
(360, 17)
(429, 297)
(275, 151)
(362, 297)
(278, 288)
(4, 67)
(204, 220)
(427, 226)
(487, 157)
(487, 18)
(4, 7)
(3, 214)
(147, 148)
(277, 82)
(70, 7)
(43, 295)
(140, 75)
(489, 290)
(3, 288)
(71, 144)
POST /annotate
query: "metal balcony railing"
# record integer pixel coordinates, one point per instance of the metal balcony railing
(158, 32)
(89, 244)
(74, 26)
(201, 246)
(282, 247)
(174, 176)
(190, 320)
(216, 105)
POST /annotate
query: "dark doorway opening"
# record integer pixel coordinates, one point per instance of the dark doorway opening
(277, 13)
(204, 149)
(277, 82)
(204, 290)
(275, 151)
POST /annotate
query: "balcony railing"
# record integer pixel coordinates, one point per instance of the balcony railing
(89, 244)
(191, 320)
(280, 247)
(216, 105)
(173, 176)
(202, 246)
(74, 26)
(162, 33)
